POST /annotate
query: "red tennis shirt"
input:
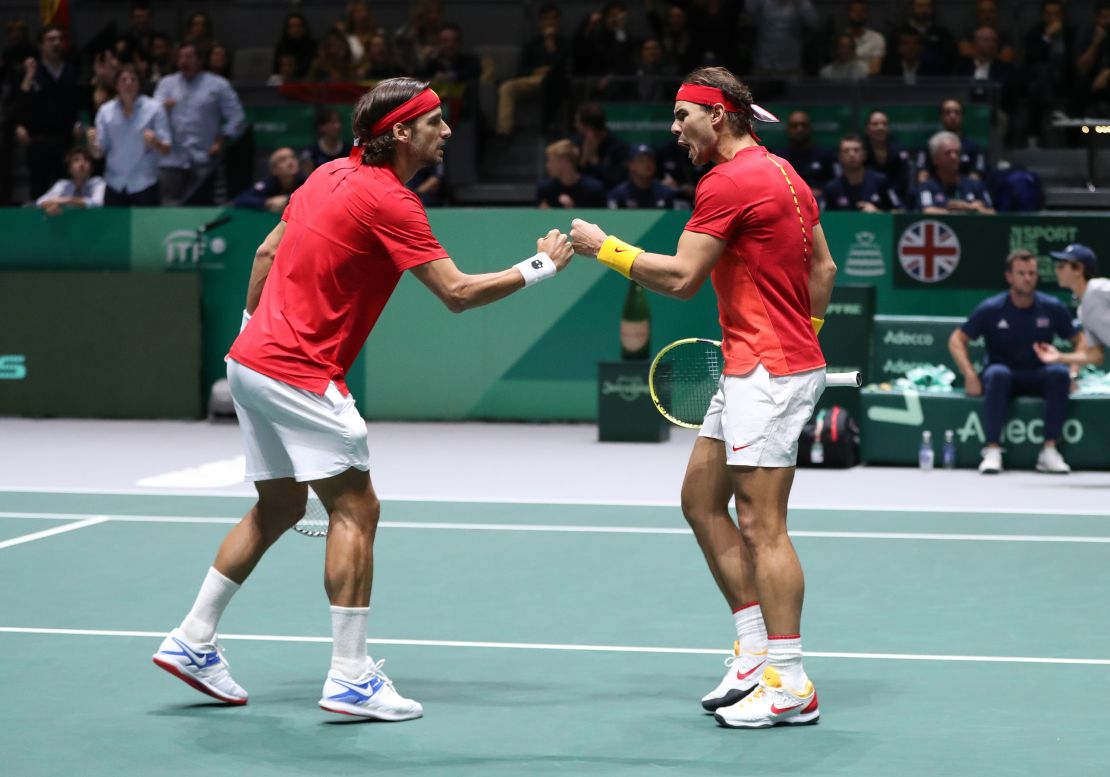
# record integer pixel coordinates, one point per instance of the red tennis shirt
(766, 214)
(350, 231)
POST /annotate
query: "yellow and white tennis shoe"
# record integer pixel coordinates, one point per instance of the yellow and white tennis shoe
(202, 666)
(370, 696)
(771, 704)
(741, 678)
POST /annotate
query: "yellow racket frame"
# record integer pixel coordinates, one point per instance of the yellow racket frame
(651, 378)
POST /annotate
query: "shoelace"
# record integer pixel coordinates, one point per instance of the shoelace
(376, 671)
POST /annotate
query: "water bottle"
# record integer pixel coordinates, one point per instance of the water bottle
(925, 456)
(948, 457)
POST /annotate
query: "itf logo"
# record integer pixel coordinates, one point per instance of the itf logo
(186, 247)
(929, 251)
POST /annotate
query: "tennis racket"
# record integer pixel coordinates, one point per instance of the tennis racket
(314, 523)
(685, 375)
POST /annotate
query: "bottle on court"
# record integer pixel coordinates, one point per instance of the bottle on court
(635, 325)
(926, 455)
(948, 455)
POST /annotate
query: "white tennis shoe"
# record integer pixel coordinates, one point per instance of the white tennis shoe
(741, 678)
(772, 705)
(1050, 460)
(992, 461)
(202, 666)
(370, 696)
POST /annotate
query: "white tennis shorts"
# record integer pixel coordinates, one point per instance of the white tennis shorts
(760, 416)
(289, 432)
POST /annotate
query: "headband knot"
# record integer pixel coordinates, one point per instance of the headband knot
(416, 105)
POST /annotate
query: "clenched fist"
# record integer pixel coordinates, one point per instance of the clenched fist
(586, 237)
(556, 245)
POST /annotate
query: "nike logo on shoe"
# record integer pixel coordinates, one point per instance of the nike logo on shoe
(777, 710)
(745, 675)
(354, 691)
(200, 660)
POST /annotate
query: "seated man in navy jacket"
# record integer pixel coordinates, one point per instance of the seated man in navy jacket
(641, 190)
(857, 187)
(1011, 323)
(950, 191)
(272, 193)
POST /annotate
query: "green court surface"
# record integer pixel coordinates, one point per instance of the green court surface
(554, 639)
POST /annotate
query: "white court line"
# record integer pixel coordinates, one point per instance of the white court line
(1047, 512)
(571, 529)
(573, 648)
(51, 532)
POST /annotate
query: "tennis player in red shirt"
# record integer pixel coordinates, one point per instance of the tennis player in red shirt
(319, 282)
(755, 232)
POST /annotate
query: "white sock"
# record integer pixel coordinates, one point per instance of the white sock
(785, 655)
(348, 632)
(216, 591)
(750, 629)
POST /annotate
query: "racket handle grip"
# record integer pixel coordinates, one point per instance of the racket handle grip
(849, 379)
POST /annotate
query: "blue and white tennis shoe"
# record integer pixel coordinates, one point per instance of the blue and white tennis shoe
(202, 666)
(370, 696)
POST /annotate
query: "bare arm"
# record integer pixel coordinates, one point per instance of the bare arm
(1085, 353)
(263, 259)
(822, 275)
(957, 346)
(460, 291)
(678, 276)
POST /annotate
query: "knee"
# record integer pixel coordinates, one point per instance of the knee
(997, 375)
(1057, 375)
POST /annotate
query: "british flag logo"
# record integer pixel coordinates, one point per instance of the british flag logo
(929, 251)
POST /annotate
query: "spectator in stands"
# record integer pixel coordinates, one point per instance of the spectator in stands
(333, 60)
(132, 132)
(716, 27)
(870, 44)
(1075, 268)
(984, 64)
(80, 190)
(416, 41)
(813, 163)
(543, 69)
(938, 45)
(329, 144)
(272, 193)
(678, 172)
(681, 49)
(105, 68)
(1013, 323)
(218, 61)
(883, 154)
(641, 190)
(18, 46)
(296, 42)
(602, 155)
(380, 61)
(655, 79)
(1093, 66)
(780, 27)
(845, 66)
(359, 25)
(973, 159)
(161, 59)
(286, 70)
(205, 113)
(199, 31)
(567, 187)
(47, 103)
(906, 62)
(1049, 67)
(430, 185)
(140, 33)
(947, 191)
(858, 188)
(986, 15)
(450, 63)
(603, 47)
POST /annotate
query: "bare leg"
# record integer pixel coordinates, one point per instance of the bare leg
(280, 505)
(706, 491)
(354, 511)
(761, 498)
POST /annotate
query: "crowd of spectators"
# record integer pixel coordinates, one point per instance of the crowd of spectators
(157, 112)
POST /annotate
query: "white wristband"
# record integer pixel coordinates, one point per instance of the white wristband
(537, 268)
(246, 318)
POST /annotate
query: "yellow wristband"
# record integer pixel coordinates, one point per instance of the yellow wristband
(817, 324)
(618, 255)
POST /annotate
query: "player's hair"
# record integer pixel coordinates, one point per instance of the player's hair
(940, 137)
(563, 148)
(1019, 255)
(734, 89)
(374, 105)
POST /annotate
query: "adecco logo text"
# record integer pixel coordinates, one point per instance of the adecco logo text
(902, 337)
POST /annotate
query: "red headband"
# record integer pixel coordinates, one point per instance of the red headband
(415, 106)
(705, 95)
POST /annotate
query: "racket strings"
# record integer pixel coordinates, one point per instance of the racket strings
(687, 378)
(314, 522)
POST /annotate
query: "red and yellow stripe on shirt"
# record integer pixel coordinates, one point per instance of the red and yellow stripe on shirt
(766, 214)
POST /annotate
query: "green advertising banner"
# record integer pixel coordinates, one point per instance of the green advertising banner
(903, 343)
(890, 431)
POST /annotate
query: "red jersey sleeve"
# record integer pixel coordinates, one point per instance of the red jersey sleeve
(717, 209)
(402, 228)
